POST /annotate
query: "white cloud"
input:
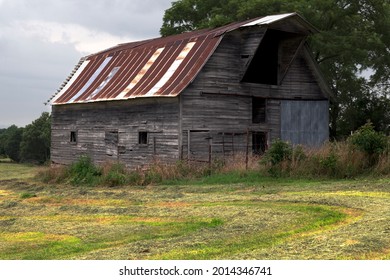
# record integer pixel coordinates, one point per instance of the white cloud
(85, 40)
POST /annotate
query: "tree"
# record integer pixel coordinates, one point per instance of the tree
(2, 140)
(188, 15)
(368, 105)
(354, 37)
(35, 144)
(10, 140)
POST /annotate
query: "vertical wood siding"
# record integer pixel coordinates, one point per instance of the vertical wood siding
(108, 131)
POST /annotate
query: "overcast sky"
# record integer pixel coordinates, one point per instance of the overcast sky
(42, 40)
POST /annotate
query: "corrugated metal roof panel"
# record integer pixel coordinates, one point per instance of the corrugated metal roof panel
(156, 67)
(268, 19)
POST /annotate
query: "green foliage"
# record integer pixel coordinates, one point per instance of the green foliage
(35, 144)
(2, 140)
(116, 175)
(368, 140)
(83, 172)
(10, 141)
(278, 152)
(29, 144)
(187, 15)
(279, 155)
(27, 195)
(329, 164)
(333, 160)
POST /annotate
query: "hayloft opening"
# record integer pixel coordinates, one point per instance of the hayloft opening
(273, 57)
(263, 68)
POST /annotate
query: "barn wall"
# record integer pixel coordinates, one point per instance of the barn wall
(109, 131)
(218, 106)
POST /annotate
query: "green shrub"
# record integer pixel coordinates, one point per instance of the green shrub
(278, 152)
(368, 140)
(83, 172)
(279, 155)
(329, 164)
(115, 175)
(134, 178)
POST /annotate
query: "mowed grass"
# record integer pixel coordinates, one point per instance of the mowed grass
(239, 216)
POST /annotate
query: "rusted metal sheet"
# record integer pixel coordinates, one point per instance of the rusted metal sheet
(157, 67)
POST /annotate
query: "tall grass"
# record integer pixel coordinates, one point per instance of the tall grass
(331, 161)
(111, 174)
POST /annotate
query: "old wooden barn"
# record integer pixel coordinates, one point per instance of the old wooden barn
(213, 92)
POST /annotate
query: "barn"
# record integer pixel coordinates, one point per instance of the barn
(193, 96)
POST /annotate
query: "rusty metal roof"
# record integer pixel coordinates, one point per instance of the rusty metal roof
(156, 67)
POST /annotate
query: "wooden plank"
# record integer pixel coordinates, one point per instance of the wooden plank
(157, 116)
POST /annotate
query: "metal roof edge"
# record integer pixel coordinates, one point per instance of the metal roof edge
(267, 20)
(56, 95)
(115, 99)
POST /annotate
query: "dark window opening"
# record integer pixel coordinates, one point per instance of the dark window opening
(274, 55)
(73, 137)
(142, 138)
(259, 110)
(259, 143)
(263, 68)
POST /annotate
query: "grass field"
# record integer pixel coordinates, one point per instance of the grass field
(240, 216)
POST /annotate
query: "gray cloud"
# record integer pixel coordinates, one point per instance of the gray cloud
(42, 40)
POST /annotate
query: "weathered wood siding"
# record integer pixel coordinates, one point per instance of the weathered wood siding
(213, 114)
(109, 131)
(218, 104)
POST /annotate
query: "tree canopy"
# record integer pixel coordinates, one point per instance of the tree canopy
(352, 48)
(10, 139)
(35, 144)
(28, 144)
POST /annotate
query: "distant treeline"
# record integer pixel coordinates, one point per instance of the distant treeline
(27, 144)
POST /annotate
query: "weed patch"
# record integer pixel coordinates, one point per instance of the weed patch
(27, 195)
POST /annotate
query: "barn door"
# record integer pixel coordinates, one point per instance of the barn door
(111, 143)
